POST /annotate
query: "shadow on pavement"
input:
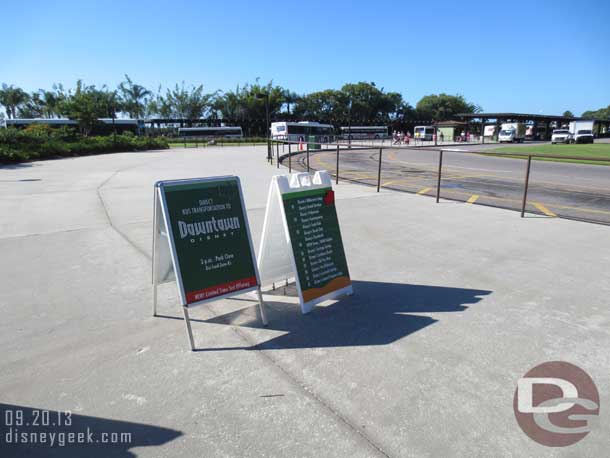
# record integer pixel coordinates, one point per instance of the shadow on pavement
(377, 314)
(32, 432)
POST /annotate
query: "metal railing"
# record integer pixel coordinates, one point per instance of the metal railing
(291, 149)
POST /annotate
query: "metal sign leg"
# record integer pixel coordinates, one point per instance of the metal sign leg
(261, 306)
(154, 253)
(154, 305)
(189, 331)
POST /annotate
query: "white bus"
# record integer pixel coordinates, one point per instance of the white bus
(211, 132)
(302, 131)
(364, 132)
(423, 133)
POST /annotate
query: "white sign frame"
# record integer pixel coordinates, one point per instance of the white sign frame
(281, 184)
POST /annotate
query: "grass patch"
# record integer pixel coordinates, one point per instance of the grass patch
(575, 152)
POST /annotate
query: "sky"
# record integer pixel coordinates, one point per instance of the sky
(532, 56)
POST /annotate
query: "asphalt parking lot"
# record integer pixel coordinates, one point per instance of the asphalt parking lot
(576, 191)
(452, 304)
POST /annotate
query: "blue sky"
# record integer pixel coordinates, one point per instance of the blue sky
(535, 56)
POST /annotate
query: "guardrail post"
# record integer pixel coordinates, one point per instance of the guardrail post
(337, 175)
(307, 157)
(527, 182)
(289, 159)
(379, 170)
(438, 178)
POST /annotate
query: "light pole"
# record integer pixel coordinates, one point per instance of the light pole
(349, 124)
(265, 95)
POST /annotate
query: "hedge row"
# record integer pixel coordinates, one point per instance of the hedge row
(42, 143)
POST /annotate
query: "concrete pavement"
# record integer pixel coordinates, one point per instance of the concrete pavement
(453, 303)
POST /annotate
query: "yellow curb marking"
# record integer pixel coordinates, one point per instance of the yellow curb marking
(543, 209)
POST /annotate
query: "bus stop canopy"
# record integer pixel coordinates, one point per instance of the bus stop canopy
(521, 117)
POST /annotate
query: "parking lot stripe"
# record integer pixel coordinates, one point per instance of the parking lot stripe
(472, 199)
(423, 191)
(543, 209)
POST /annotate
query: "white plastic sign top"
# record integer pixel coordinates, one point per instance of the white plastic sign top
(302, 240)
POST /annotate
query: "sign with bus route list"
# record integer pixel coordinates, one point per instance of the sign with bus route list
(316, 242)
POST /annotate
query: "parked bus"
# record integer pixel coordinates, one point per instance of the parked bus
(423, 133)
(302, 131)
(364, 132)
(211, 132)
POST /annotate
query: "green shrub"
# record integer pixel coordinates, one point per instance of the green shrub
(41, 142)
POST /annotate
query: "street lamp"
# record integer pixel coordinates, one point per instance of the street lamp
(265, 95)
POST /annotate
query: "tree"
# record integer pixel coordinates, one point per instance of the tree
(187, 103)
(158, 106)
(12, 98)
(42, 104)
(443, 106)
(360, 103)
(568, 114)
(370, 105)
(244, 107)
(602, 113)
(52, 101)
(33, 107)
(290, 99)
(324, 106)
(134, 98)
(87, 104)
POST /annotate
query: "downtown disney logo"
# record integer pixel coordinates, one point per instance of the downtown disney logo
(556, 404)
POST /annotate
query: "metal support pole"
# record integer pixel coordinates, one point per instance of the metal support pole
(527, 182)
(261, 305)
(269, 152)
(277, 150)
(308, 156)
(189, 331)
(289, 160)
(154, 253)
(337, 175)
(438, 179)
(379, 170)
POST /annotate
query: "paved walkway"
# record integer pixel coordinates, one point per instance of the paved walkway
(453, 303)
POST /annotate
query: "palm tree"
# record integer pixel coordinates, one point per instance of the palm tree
(134, 98)
(12, 98)
(290, 98)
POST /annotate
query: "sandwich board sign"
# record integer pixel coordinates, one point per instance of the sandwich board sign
(201, 238)
(302, 240)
